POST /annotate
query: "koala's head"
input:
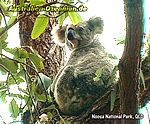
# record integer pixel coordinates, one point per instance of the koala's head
(76, 36)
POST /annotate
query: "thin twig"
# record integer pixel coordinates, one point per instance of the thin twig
(1, 11)
(2, 120)
(25, 16)
(27, 77)
(56, 2)
(9, 73)
(26, 71)
(14, 22)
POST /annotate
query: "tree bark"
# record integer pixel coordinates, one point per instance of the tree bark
(52, 55)
(130, 63)
(42, 44)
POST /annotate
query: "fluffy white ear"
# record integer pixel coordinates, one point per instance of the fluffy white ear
(96, 24)
(58, 35)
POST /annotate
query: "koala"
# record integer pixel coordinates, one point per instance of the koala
(75, 87)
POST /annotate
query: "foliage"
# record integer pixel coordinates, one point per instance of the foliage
(13, 61)
(42, 20)
(39, 26)
(14, 66)
(120, 40)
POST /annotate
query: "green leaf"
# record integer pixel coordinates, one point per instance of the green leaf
(50, 115)
(39, 26)
(0, 19)
(18, 96)
(69, 1)
(3, 95)
(98, 72)
(61, 18)
(52, 107)
(142, 79)
(22, 74)
(20, 53)
(37, 61)
(3, 7)
(3, 45)
(33, 87)
(21, 2)
(13, 108)
(11, 65)
(41, 97)
(113, 98)
(2, 70)
(26, 98)
(4, 36)
(112, 56)
(67, 122)
(75, 17)
(37, 2)
(96, 78)
(17, 79)
(121, 42)
(45, 80)
(12, 19)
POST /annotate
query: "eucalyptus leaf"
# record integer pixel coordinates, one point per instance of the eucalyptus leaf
(41, 97)
(113, 97)
(13, 108)
(39, 26)
(37, 61)
(0, 19)
(75, 17)
(4, 36)
(67, 122)
(96, 78)
(18, 79)
(98, 72)
(2, 70)
(61, 18)
(69, 1)
(15, 95)
(11, 65)
(37, 2)
(20, 53)
(45, 80)
(3, 7)
(142, 79)
(3, 45)
(3, 95)
(21, 2)
(112, 56)
(12, 19)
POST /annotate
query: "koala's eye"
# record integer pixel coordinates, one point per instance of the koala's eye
(80, 28)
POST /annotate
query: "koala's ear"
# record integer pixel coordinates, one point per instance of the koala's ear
(58, 35)
(95, 24)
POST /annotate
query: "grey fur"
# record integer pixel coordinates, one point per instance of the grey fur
(74, 87)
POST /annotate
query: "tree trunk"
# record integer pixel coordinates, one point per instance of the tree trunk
(42, 44)
(130, 63)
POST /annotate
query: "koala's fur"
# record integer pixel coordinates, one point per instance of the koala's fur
(74, 87)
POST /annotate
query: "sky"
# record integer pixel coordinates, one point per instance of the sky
(112, 12)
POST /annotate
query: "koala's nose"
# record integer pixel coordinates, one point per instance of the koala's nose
(70, 34)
